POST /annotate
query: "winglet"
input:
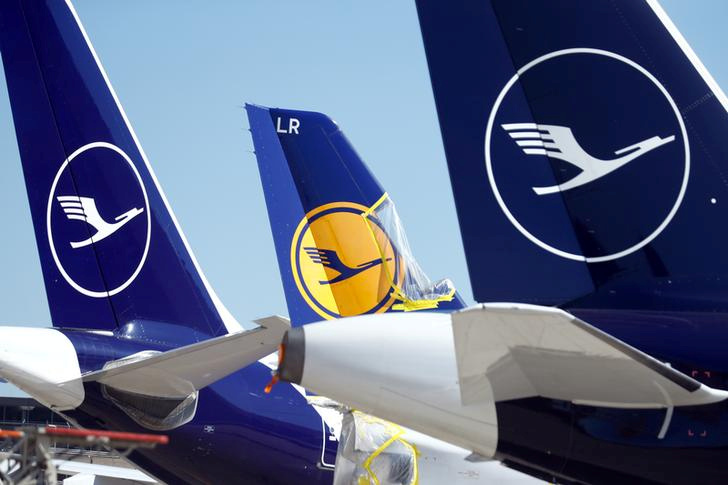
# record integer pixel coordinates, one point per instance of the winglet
(275, 323)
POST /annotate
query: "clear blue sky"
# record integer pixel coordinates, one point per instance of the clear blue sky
(183, 71)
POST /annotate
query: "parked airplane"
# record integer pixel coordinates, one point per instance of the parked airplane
(140, 340)
(622, 378)
(342, 251)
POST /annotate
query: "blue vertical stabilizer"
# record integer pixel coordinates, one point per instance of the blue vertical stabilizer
(585, 143)
(341, 249)
(111, 250)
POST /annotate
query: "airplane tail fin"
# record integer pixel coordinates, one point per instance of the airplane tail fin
(340, 244)
(112, 253)
(536, 102)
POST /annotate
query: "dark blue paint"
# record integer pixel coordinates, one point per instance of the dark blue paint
(570, 443)
(257, 437)
(118, 255)
(474, 48)
(555, 93)
(598, 445)
(302, 169)
(669, 298)
(61, 103)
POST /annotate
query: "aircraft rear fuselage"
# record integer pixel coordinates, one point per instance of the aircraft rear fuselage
(238, 433)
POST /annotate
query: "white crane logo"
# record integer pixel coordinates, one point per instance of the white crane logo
(106, 173)
(622, 91)
(84, 209)
(559, 142)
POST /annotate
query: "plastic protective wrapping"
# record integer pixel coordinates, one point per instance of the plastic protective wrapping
(413, 288)
(373, 452)
(156, 413)
(152, 412)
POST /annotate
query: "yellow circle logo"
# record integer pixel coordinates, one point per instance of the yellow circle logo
(344, 264)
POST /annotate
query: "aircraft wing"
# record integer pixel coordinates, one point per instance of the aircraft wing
(444, 374)
(179, 372)
(522, 351)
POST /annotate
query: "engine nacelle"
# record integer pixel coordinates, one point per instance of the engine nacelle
(362, 362)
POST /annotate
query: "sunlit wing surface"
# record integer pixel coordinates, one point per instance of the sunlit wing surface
(443, 374)
(523, 351)
(179, 372)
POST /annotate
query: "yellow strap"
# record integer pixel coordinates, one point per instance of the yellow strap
(415, 452)
(377, 452)
(384, 446)
(397, 433)
(410, 305)
(379, 202)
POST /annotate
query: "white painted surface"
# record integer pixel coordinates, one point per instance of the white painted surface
(441, 374)
(43, 363)
(442, 463)
(178, 373)
(513, 351)
(489, 160)
(400, 367)
(92, 473)
(49, 228)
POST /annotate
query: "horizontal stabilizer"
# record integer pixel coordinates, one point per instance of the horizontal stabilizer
(522, 351)
(180, 372)
(445, 374)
